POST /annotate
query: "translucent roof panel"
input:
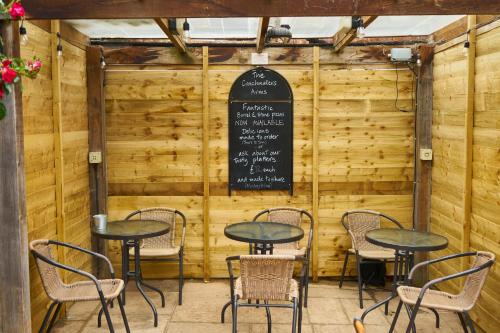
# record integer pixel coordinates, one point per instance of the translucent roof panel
(118, 28)
(312, 27)
(234, 27)
(408, 25)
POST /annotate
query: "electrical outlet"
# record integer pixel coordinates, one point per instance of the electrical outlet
(95, 157)
(426, 154)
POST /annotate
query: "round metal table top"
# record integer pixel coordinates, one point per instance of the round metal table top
(263, 232)
(404, 239)
(132, 229)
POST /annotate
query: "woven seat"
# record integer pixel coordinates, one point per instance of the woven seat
(358, 223)
(292, 216)
(294, 289)
(162, 248)
(58, 291)
(461, 303)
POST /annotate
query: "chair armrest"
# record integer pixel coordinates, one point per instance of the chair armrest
(183, 238)
(94, 254)
(353, 240)
(393, 220)
(304, 270)
(429, 262)
(70, 269)
(266, 211)
(229, 261)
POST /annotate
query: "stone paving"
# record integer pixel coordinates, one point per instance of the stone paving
(330, 310)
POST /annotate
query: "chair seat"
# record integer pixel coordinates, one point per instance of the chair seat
(292, 252)
(157, 252)
(87, 291)
(434, 299)
(375, 254)
(294, 289)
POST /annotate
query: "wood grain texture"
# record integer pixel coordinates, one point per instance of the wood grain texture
(65, 9)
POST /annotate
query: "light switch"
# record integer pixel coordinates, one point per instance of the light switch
(95, 157)
(426, 154)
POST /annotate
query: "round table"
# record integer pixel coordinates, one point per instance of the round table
(405, 242)
(130, 232)
(264, 233)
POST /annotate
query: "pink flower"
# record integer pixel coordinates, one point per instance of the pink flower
(37, 65)
(16, 11)
(8, 74)
(6, 62)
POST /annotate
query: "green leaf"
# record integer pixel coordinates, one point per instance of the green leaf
(3, 110)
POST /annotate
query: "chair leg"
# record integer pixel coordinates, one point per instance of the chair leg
(469, 322)
(106, 312)
(436, 314)
(47, 316)
(234, 307)
(360, 283)
(412, 313)
(294, 318)
(346, 258)
(300, 311)
(124, 316)
(396, 315)
(54, 317)
(306, 294)
(268, 316)
(462, 321)
(181, 277)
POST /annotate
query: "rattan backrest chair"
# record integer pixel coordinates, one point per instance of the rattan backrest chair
(51, 280)
(167, 215)
(266, 277)
(359, 222)
(475, 281)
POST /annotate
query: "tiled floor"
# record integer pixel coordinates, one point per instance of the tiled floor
(330, 311)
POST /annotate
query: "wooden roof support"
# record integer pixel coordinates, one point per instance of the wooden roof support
(342, 38)
(174, 38)
(261, 33)
(98, 9)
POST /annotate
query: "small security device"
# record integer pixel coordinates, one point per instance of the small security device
(400, 54)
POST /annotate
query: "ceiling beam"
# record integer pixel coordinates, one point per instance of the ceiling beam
(174, 38)
(261, 33)
(343, 37)
(98, 9)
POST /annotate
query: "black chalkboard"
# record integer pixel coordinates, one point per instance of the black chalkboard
(260, 132)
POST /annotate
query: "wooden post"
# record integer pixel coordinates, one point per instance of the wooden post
(423, 140)
(206, 161)
(469, 124)
(58, 144)
(97, 143)
(261, 33)
(315, 170)
(15, 314)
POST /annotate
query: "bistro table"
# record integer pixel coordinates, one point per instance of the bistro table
(405, 242)
(263, 235)
(130, 233)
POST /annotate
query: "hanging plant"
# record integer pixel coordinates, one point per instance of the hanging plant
(11, 69)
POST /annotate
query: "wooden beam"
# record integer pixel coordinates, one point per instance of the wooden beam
(97, 142)
(58, 144)
(98, 9)
(261, 33)
(174, 38)
(342, 38)
(458, 28)
(15, 313)
(206, 163)
(315, 162)
(469, 125)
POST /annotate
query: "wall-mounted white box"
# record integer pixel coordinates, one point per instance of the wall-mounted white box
(426, 154)
(95, 157)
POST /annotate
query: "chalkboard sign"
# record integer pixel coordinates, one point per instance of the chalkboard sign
(260, 132)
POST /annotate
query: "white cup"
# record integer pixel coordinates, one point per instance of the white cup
(100, 221)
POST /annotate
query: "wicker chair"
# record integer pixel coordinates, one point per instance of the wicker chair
(358, 223)
(59, 292)
(266, 278)
(293, 216)
(413, 298)
(162, 248)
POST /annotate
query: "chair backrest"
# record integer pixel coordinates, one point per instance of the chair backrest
(291, 216)
(167, 215)
(49, 275)
(266, 277)
(475, 281)
(358, 223)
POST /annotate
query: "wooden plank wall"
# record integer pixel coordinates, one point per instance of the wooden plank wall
(447, 214)
(40, 157)
(154, 143)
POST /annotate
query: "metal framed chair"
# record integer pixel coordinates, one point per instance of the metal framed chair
(59, 292)
(267, 278)
(358, 223)
(292, 216)
(413, 298)
(162, 248)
